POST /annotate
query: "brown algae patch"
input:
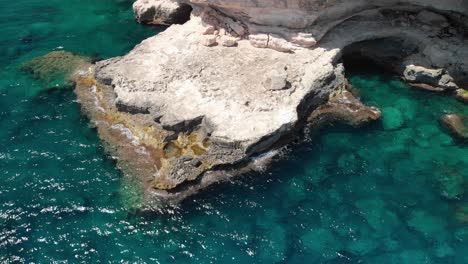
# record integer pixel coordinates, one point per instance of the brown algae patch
(55, 68)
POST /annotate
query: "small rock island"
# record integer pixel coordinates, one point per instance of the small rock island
(231, 82)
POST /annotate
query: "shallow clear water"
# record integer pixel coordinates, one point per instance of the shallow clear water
(374, 195)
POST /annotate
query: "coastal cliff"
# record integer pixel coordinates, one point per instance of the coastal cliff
(222, 93)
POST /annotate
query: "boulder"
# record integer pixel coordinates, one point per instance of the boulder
(428, 79)
(228, 41)
(457, 125)
(462, 95)
(344, 108)
(161, 12)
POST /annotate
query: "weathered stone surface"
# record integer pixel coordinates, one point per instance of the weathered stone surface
(462, 95)
(343, 107)
(434, 79)
(204, 107)
(161, 12)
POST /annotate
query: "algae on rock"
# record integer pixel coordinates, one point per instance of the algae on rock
(55, 69)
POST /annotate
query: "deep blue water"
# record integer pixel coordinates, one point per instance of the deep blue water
(393, 192)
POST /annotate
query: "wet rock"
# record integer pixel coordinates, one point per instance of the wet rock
(457, 125)
(435, 80)
(462, 95)
(343, 107)
(55, 68)
(161, 12)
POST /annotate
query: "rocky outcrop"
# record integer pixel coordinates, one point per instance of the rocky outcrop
(212, 112)
(462, 95)
(429, 79)
(161, 12)
(209, 99)
(343, 107)
(457, 125)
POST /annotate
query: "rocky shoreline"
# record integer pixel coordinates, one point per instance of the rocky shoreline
(223, 93)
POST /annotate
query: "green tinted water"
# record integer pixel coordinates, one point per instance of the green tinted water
(375, 195)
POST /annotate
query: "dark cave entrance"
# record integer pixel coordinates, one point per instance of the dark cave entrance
(383, 55)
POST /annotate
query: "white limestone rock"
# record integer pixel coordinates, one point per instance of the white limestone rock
(277, 60)
(162, 12)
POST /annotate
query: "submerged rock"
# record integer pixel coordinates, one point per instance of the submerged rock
(428, 225)
(55, 68)
(392, 118)
(452, 184)
(321, 242)
(457, 125)
(462, 95)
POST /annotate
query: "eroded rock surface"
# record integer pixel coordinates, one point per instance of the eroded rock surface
(457, 125)
(343, 107)
(205, 100)
(161, 12)
(462, 95)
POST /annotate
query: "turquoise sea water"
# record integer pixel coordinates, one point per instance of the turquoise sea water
(393, 192)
